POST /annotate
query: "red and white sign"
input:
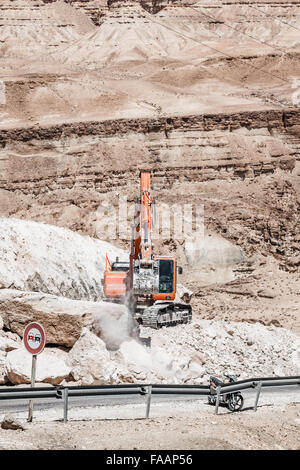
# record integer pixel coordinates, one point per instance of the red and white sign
(34, 338)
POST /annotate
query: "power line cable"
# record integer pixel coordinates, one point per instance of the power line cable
(241, 32)
(274, 17)
(256, 39)
(217, 50)
(226, 55)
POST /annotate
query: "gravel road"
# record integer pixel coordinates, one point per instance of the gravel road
(177, 424)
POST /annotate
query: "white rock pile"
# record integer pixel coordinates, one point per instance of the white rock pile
(207, 347)
(182, 354)
(44, 258)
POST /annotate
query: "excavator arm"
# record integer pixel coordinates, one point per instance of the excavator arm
(144, 269)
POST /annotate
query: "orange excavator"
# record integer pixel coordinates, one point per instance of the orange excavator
(146, 283)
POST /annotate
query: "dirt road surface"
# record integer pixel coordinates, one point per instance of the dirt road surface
(189, 425)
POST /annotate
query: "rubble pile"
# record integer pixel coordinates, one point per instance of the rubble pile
(182, 354)
(42, 258)
(43, 272)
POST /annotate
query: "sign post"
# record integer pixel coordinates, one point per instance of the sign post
(33, 374)
(34, 339)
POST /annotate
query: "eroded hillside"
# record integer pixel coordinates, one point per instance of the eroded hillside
(205, 95)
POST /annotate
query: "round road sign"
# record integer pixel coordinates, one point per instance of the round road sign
(34, 338)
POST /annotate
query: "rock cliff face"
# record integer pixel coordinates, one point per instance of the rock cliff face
(96, 9)
(179, 61)
(161, 85)
(241, 167)
(30, 28)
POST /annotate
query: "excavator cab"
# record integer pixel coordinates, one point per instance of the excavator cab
(167, 279)
(166, 276)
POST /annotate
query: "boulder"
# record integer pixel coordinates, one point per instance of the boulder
(123, 375)
(89, 360)
(62, 318)
(198, 358)
(51, 366)
(10, 422)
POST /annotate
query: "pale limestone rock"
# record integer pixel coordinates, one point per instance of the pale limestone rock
(133, 353)
(51, 366)
(44, 258)
(62, 318)
(213, 256)
(196, 370)
(3, 376)
(268, 293)
(89, 360)
(295, 356)
(199, 358)
(7, 344)
(122, 376)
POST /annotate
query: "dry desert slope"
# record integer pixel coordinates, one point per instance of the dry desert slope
(205, 95)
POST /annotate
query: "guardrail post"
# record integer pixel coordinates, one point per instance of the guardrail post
(218, 399)
(66, 397)
(257, 395)
(148, 401)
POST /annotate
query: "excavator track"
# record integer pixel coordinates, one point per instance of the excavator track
(166, 314)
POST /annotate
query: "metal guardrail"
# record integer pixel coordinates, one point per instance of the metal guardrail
(63, 392)
(254, 383)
